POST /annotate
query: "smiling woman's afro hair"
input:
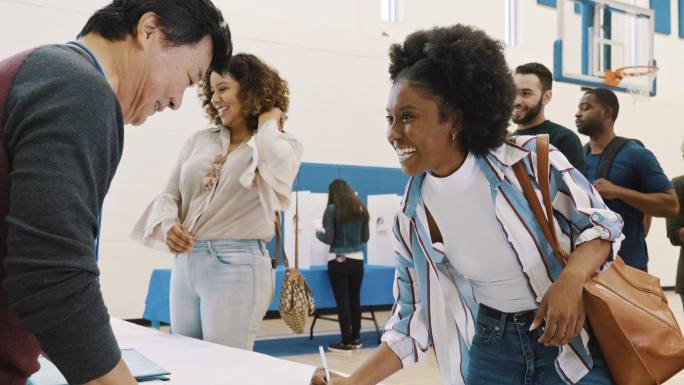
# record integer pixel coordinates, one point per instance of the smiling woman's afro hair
(465, 71)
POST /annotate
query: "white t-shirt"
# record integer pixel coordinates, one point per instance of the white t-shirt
(474, 241)
(358, 255)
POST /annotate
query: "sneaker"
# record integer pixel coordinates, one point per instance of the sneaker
(357, 344)
(341, 348)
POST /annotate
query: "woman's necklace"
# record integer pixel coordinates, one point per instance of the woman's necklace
(211, 179)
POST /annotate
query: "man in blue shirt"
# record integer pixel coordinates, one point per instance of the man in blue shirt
(635, 184)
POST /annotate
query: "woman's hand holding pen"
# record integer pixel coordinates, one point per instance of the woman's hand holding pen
(318, 378)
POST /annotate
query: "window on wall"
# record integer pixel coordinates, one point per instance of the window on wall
(512, 22)
(389, 10)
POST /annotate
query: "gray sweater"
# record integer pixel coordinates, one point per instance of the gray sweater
(64, 135)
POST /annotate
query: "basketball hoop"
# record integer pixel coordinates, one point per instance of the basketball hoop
(638, 80)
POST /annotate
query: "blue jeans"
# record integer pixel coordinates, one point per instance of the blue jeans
(505, 352)
(221, 291)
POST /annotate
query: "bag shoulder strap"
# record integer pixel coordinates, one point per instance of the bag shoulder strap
(280, 243)
(608, 156)
(296, 220)
(279, 246)
(587, 149)
(543, 213)
(609, 153)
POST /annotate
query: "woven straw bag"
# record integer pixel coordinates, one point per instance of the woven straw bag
(296, 299)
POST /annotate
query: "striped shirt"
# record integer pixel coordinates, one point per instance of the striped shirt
(434, 304)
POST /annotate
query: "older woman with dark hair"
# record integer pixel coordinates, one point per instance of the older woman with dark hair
(217, 210)
(476, 280)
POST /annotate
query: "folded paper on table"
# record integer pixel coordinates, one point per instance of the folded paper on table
(140, 366)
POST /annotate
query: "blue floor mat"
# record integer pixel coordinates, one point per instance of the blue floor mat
(303, 345)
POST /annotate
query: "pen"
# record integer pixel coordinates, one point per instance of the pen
(325, 364)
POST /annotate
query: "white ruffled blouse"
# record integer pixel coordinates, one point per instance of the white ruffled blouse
(254, 183)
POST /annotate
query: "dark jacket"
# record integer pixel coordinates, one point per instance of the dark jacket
(342, 237)
(673, 225)
(63, 136)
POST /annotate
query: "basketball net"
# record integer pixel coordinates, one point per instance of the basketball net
(638, 80)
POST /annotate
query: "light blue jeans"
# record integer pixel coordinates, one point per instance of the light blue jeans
(221, 291)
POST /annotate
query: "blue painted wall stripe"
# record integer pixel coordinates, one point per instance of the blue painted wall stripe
(662, 16)
(681, 18)
(548, 3)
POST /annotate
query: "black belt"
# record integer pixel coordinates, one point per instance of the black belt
(519, 317)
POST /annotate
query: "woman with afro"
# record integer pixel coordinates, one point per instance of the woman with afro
(217, 210)
(476, 280)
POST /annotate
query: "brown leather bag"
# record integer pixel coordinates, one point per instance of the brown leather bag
(626, 307)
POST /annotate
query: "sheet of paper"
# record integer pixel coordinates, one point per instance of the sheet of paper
(140, 366)
(382, 209)
(312, 252)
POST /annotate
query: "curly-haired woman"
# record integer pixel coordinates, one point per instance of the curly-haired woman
(476, 280)
(217, 210)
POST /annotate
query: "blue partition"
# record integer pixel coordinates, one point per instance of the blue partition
(316, 177)
(376, 290)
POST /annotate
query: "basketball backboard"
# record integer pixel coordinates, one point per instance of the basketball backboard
(599, 35)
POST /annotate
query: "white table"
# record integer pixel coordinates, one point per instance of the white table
(196, 362)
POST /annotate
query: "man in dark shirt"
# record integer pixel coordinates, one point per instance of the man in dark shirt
(635, 185)
(62, 112)
(533, 82)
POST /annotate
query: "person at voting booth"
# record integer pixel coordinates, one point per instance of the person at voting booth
(217, 210)
(345, 229)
